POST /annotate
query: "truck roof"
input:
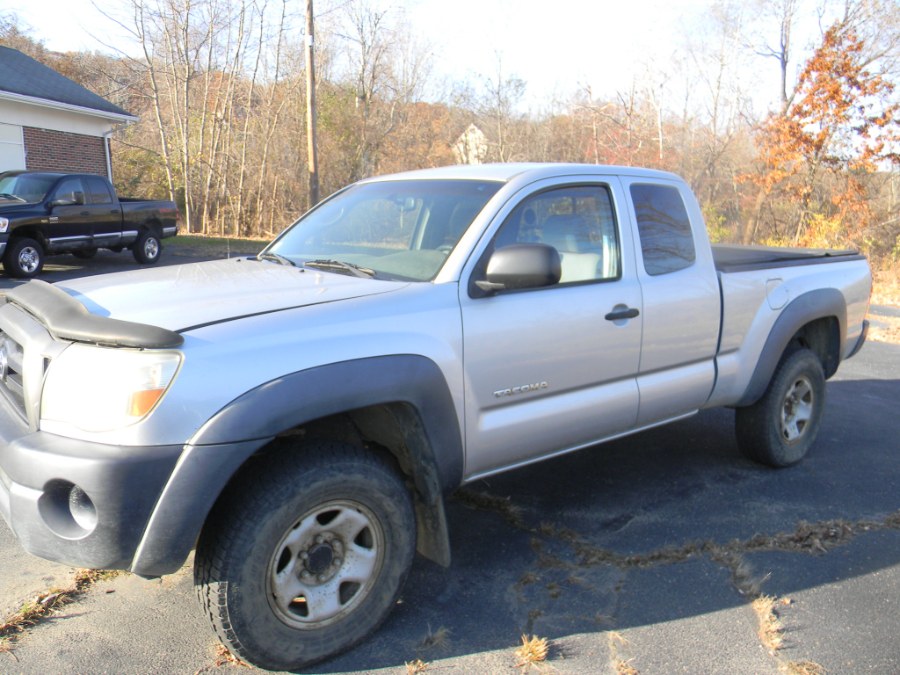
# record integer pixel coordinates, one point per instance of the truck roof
(506, 172)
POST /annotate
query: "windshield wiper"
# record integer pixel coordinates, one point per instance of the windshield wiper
(6, 195)
(275, 257)
(340, 266)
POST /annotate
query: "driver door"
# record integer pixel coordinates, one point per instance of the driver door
(552, 369)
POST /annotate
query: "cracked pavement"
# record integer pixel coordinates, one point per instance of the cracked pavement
(644, 555)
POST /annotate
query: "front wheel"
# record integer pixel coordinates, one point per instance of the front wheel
(779, 429)
(24, 258)
(147, 248)
(305, 555)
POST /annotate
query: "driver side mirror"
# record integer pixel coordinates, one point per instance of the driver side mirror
(521, 266)
(68, 199)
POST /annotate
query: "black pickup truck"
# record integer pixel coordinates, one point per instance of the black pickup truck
(49, 213)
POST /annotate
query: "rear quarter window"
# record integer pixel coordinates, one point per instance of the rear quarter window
(667, 242)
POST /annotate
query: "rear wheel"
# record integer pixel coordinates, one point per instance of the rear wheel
(24, 258)
(305, 555)
(779, 429)
(147, 248)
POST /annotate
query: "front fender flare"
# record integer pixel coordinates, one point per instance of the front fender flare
(242, 427)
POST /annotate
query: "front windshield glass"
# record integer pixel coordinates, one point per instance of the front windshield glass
(29, 188)
(389, 230)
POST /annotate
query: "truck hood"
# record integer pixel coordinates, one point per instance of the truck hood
(12, 207)
(179, 297)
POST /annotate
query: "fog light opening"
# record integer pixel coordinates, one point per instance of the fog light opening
(83, 511)
(67, 510)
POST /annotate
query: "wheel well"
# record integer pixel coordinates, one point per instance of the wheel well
(823, 338)
(394, 432)
(30, 233)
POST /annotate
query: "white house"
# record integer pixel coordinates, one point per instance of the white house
(471, 147)
(50, 123)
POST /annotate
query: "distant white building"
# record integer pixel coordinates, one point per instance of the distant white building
(471, 147)
(50, 123)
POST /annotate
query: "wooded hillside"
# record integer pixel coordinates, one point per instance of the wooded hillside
(219, 86)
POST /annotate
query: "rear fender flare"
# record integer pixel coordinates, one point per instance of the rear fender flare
(803, 310)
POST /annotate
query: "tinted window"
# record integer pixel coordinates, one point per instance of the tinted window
(98, 191)
(577, 221)
(70, 189)
(30, 187)
(667, 241)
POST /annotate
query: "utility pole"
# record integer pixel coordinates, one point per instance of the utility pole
(312, 153)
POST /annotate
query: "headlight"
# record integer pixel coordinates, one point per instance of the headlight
(4, 225)
(101, 389)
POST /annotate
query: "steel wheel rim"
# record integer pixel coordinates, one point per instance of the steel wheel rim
(29, 259)
(325, 565)
(797, 410)
(151, 247)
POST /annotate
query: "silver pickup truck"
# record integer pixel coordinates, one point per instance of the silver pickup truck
(298, 417)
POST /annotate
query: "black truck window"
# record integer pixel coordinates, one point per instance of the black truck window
(98, 190)
(70, 189)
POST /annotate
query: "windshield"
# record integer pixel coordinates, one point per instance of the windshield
(25, 188)
(389, 230)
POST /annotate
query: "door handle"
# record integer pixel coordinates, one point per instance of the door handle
(622, 312)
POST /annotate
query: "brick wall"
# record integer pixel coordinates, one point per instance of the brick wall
(47, 150)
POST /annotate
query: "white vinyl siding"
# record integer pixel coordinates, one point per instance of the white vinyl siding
(12, 147)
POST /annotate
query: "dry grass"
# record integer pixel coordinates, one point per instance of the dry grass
(886, 287)
(503, 506)
(417, 666)
(620, 665)
(534, 650)
(802, 668)
(43, 605)
(771, 630)
(625, 668)
(886, 292)
(887, 330)
(439, 639)
(225, 657)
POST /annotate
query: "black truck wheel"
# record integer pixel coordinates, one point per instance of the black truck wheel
(24, 258)
(147, 248)
(779, 429)
(305, 555)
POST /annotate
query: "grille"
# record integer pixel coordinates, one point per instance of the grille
(11, 367)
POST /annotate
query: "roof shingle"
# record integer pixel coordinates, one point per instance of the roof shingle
(21, 74)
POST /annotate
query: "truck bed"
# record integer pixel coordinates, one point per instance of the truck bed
(738, 258)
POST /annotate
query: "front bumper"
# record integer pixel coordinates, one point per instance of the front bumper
(75, 502)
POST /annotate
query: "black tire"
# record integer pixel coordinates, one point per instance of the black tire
(24, 258)
(85, 253)
(305, 555)
(147, 248)
(779, 429)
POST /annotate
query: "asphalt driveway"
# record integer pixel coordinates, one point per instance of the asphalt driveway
(661, 553)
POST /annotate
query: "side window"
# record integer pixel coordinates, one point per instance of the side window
(70, 189)
(98, 191)
(667, 241)
(577, 221)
